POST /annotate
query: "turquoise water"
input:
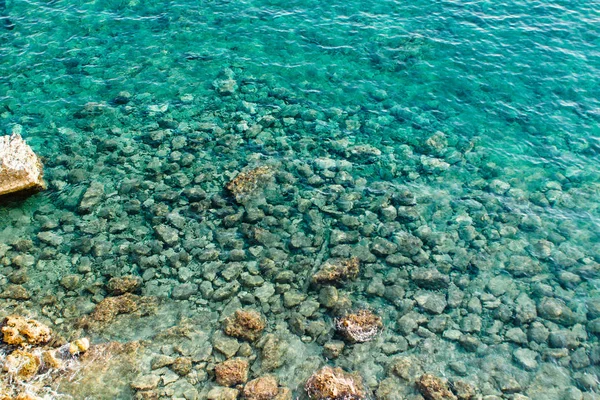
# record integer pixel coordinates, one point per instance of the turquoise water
(488, 113)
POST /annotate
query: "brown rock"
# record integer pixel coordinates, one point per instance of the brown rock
(463, 390)
(334, 384)
(108, 309)
(124, 284)
(434, 388)
(182, 366)
(20, 331)
(222, 393)
(263, 388)
(15, 292)
(360, 326)
(232, 372)
(245, 183)
(247, 325)
(337, 271)
(21, 169)
(22, 364)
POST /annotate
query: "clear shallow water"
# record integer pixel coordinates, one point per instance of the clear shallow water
(512, 86)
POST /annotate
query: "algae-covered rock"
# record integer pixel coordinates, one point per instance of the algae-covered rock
(246, 183)
(22, 364)
(336, 271)
(247, 325)
(434, 388)
(360, 326)
(20, 331)
(232, 372)
(334, 384)
(124, 284)
(263, 388)
(20, 168)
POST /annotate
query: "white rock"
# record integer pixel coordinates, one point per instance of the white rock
(20, 167)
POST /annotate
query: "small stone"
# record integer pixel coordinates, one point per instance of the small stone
(526, 359)
(434, 388)
(333, 349)
(124, 284)
(247, 325)
(168, 235)
(79, 346)
(222, 393)
(182, 366)
(292, 298)
(361, 326)
(263, 388)
(226, 345)
(232, 372)
(430, 278)
(92, 196)
(22, 364)
(334, 384)
(50, 238)
(431, 302)
(146, 382)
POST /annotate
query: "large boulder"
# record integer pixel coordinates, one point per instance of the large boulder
(20, 168)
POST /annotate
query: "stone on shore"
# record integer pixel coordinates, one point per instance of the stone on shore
(20, 168)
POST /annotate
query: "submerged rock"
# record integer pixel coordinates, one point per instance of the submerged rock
(360, 326)
(20, 168)
(247, 325)
(245, 183)
(232, 372)
(263, 388)
(22, 364)
(336, 271)
(334, 384)
(434, 388)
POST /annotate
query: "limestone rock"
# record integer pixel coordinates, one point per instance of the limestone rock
(232, 372)
(22, 364)
(334, 384)
(434, 388)
(336, 271)
(244, 324)
(360, 326)
(20, 167)
(20, 331)
(263, 388)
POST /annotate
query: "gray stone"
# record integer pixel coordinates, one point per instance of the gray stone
(526, 359)
(264, 292)
(225, 344)
(292, 298)
(555, 310)
(92, 196)
(168, 235)
(516, 335)
(145, 382)
(431, 302)
(430, 278)
(470, 323)
(184, 291)
(50, 238)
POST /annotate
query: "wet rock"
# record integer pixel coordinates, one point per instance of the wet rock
(247, 183)
(431, 302)
(555, 310)
(146, 382)
(333, 349)
(430, 278)
(247, 325)
(462, 390)
(20, 331)
(293, 298)
(124, 284)
(22, 364)
(526, 359)
(232, 372)
(434, 388)
(108, 309)
(272, 353)
(222, 393)
(168, 235)
(358, 327)
(263, 388)
(226, 345)
(50, 238)
(184, 291)
(337, 271)
(15, 292)
(91, 197)
(21, 169)
(334, 384)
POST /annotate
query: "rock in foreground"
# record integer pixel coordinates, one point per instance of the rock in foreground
(334, 384)
(20, 168)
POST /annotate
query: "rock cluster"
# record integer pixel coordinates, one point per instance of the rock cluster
(20, 167)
